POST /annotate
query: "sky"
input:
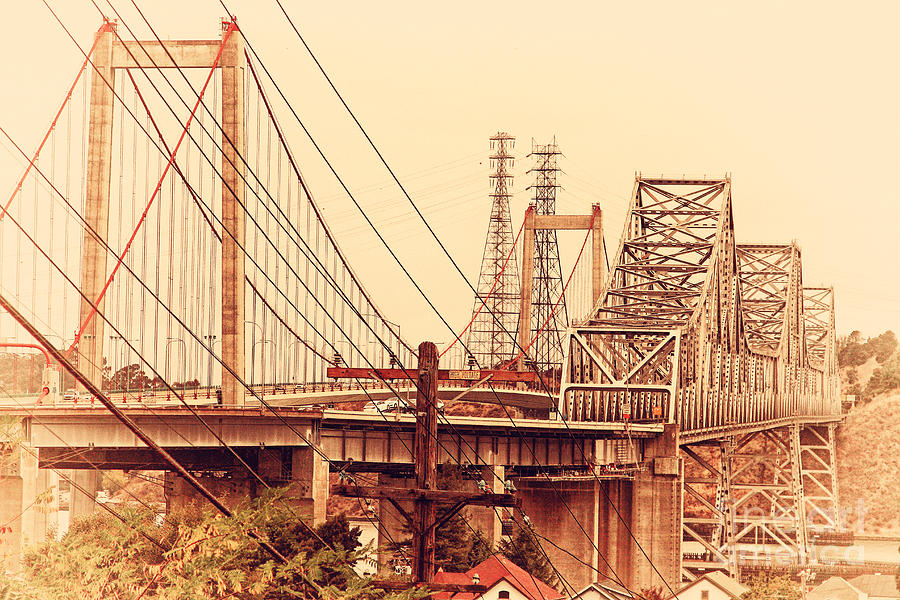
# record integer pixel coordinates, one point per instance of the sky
(796, 101)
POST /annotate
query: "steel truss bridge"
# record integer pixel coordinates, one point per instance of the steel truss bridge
(724, 340)
(195, 250)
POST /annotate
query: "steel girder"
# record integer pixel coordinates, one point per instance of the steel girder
(694, 329)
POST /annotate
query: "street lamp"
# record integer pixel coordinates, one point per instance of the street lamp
(252, 353)
(394, 358)
(169, 340)
(274, 349)
(211, 342)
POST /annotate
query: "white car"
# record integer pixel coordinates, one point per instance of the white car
(395, 405)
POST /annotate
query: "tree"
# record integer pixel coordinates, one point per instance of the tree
(523, 550)
(769, 587)
(652, 593)
(131, 377)
(203, 555)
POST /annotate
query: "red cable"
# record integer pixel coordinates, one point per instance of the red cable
(561, 294)
(231, 28)
(55, 119)
(491, 291)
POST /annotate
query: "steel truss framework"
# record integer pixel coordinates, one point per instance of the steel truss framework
(760, 497)
(547, 324)
(694, 329)
(495, 315)
(725, 341)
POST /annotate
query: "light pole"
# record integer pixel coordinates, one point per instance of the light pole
(394, 358)
(264, 342)
(169, 340)
(252, 353)
(211, 342)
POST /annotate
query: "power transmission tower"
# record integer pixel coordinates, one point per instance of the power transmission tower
(491, 338)
(547, 284)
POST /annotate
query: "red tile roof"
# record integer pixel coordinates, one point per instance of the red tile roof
(492, 571)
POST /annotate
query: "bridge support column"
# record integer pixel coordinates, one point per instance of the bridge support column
(96, 205)
(83, 503)
(564, 513)
(309, 483)
(819, 473)
(485, 518)
(656, 515)
(29, 505)
(391, 523)
(229, 490)
(233, 153)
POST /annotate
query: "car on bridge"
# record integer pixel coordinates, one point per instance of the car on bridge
(395, 405)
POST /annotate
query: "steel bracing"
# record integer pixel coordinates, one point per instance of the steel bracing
(491, 338)
(693, 329)
(724, 340)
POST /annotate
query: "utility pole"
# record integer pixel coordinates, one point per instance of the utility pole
(427, 499)
(426, 461)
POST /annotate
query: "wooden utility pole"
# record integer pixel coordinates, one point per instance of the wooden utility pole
(425, 496)
(426, 461)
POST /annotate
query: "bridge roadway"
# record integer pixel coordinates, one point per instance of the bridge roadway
(79, 436)
(330, 393)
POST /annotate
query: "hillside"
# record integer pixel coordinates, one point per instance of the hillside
(868, 440)
(868, 455)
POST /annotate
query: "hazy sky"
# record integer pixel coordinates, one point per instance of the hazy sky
(798, 101)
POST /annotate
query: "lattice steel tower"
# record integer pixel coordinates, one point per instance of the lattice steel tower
(491, 338)
(547, 284)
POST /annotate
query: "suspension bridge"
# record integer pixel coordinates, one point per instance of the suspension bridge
(163, 243)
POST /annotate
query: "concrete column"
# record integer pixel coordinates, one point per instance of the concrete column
(597, 254)
(656, 502)
(96, 208)
(527, 285)
(548, 506)
(180, 494)
(29, 506)
(309, 487)
(391, 524)
(81, 504)
(234, 151)
(484, 518)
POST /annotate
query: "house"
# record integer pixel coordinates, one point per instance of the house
(504, 581)
(714, 585)
(836, 588)
(603, 590)
(878, 587)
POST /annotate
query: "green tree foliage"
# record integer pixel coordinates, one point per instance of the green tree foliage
(20, 373)
(523, 550)
(853, 351)
(204, 555)
(652, 593)
(768, 587)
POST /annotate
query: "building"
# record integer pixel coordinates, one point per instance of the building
(504, 581)
(878, 587)
(836, 588)
(603, 590)
(714, 585)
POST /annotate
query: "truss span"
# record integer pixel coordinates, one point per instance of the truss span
(695, 329)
